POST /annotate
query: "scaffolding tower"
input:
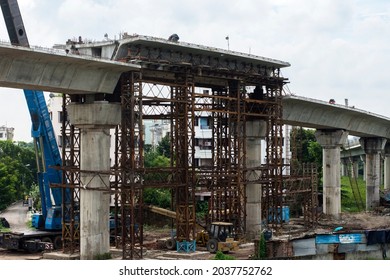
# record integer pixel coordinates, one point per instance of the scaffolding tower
(176, 83)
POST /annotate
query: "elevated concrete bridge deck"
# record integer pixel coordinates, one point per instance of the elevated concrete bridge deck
(57, 71)
(28, 68)
(334, 123)
(46, 70)
(312, 113)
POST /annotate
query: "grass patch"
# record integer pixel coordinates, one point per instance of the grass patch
(4, 229)
(348, 200)
(29, 223)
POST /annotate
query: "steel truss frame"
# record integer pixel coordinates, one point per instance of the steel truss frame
(70, 182)
(170, 91)
(128, 177)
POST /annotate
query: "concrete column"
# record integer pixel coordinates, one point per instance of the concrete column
(355, 168)
(363, 158)
(255, 131)
(373, 147)
(387, 167)
(344, 166)
(95, 120)
(331, 142)
(382, 168)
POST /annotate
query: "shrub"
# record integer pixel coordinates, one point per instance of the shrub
(221, 256)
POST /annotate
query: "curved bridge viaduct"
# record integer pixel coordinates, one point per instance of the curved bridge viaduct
(34, 69)
(333, 124)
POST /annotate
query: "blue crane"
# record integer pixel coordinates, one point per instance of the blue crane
(42, 132)
(49, 221)
(48, 156)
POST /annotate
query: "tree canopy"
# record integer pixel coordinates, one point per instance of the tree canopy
(305, 148)
(157, 157)
(17, 171)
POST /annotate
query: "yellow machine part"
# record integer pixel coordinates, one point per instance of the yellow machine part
(228, 245)
(202, 237)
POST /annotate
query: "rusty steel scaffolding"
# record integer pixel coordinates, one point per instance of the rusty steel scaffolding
(179, 102)
(302, 183)
(70, 181)
(272, 200)
(301, 193)
(169, 87)
(128, 170)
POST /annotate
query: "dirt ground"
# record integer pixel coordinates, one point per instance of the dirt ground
(15, 255)
(154, 237)
(154, 248)
(345, 223)
(360, 221)
(153, 240)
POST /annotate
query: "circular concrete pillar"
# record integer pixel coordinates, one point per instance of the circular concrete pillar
(331, 142)
(374, 147)
(94, 120)
(255, 131)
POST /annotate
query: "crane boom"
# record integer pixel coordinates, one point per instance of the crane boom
(14, 23)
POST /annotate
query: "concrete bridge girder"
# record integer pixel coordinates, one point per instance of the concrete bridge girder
(32, 69)
(318, 114)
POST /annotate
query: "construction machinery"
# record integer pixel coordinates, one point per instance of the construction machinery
(42, 132)
(219, 237)
(49, 220)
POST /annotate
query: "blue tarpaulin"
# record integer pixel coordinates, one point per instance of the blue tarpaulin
(343, 238)
(378, 237)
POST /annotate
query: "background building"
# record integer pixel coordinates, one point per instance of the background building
(6, 133)
(155, 131)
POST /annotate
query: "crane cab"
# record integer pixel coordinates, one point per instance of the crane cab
(53, 219)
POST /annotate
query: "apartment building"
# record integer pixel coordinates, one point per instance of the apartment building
(6, 133)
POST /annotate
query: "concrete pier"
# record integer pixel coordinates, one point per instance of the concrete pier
(344, 166)
(331, 142)
(255, 132)
(94, 120)
(373, 147)
(387, 168)
(363, 159)
(355, 168)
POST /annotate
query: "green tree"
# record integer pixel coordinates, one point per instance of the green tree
(157, 158)
(36, 196)
(261, 252)
(305, 150)
(17, 166)
(305, 147)
(164, 147)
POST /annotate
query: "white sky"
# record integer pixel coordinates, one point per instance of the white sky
(337, 49)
